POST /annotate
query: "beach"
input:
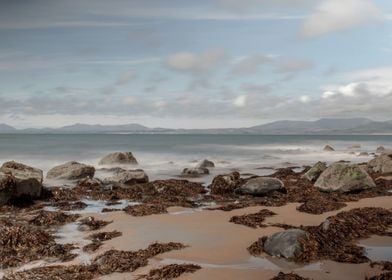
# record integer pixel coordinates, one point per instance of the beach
(210, 216)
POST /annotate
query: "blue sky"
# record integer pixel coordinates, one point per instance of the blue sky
(197, 64)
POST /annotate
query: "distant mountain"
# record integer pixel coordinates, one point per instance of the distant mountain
(321, 126)
(4, 128)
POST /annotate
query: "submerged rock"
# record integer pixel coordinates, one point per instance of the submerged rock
(225, 184)
(128, 177)
(328, 148)
(118, 158)
(194, 172)
(28, 180)
(261, 186)
(205, 164)
(380, 149)
(342, 177)
(314, 172)
(71, 171)
(382, 163)
(363, 154)
(284, 244)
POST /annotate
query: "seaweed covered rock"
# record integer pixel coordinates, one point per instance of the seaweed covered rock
(381, 164)
(205, 164)
(118, 158)
(260, 186)
(342, 177)
(71, 171)
(225, 184)
(284, 244)
(128, 177)
(313, 173)
(28, 180)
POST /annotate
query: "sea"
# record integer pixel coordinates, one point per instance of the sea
(164, 156)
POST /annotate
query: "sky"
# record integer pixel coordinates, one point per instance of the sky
(193, 64)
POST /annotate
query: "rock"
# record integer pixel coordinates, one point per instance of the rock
(328, 148)
(260, 186)
(205, 164)
(284, 244)
(128, 177)
(342, 177)
(380, 149)
(314, 172)
(7, 186)
(195, 172)
(90, 182)
(363, 154)
(28, 180)
(71, 171)
(381, 164)
(118, 158)
(355, 146)
(225, 184)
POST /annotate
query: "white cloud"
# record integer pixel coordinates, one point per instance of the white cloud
(336, 15)
(304, 99)
(196, 62)
(240, 101)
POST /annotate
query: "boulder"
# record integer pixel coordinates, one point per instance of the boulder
(28, 180)
(313, 173)
(205, 164)
(380, 149)
(328, 148)
(260, 186)
(118, 158)
(363, 154)
(128, 177)
(195, 172)
(343, 177)
(225, 184)
(7, 186)
(381, 164)
(284, 244)
(71, 171)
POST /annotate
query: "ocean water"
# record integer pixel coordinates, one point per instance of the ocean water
(164, 156)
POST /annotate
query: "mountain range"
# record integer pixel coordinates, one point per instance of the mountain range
(321, 126)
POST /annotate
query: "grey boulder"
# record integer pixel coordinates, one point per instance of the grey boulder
(313, 173)
(28, 180)
(343, 177)
(328, 148)
(260, 186)
(195, 172)
(7, 186)
(118, 158)
(382, 163)
(284, 244)
(205, 164)
(71, 171)
(128, 177)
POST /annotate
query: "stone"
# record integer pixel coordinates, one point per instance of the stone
(381, 164)
(118, 158)
(363, 154)
(380, 149)
(260, 186)
(195, 172)
(225, 184)
(284, 244)
(28, 180)
(313, 173)
(7, 186)
(71, 171)
(128, 177)
(343, 177)
(328, 148)
(205, 164)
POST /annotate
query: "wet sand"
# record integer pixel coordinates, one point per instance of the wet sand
(220, 246)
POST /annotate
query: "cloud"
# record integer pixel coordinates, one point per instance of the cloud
(249, 65)
(240, 101)
(196, 62)
(336, 15)
(294, 65)
(125, 77)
